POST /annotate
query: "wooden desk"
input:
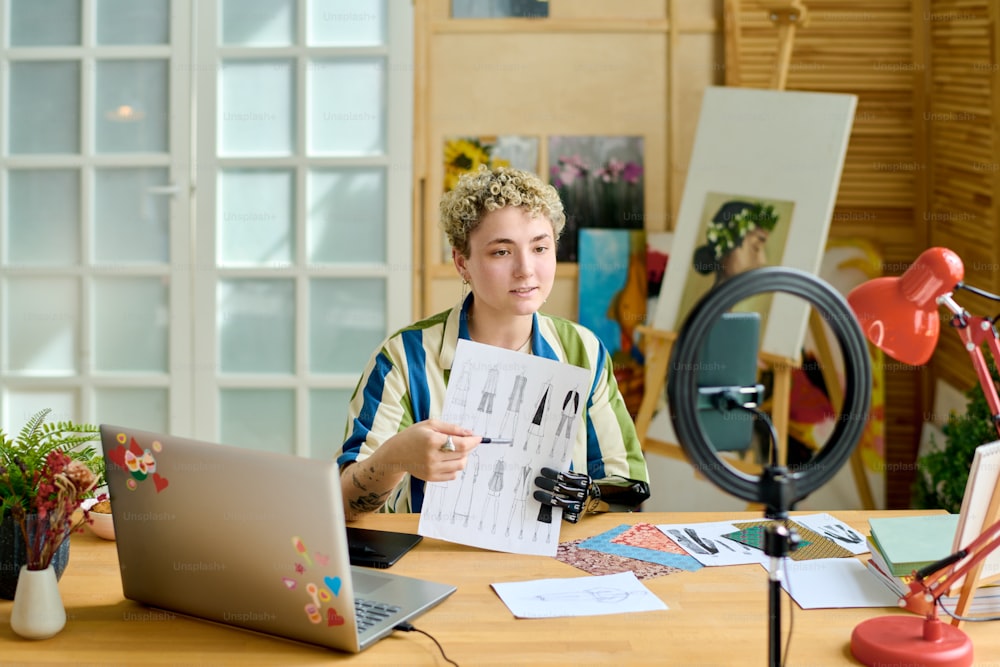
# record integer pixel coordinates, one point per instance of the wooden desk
(717, 616)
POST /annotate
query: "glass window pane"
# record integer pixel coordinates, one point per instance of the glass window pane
(43, 337)
(131, 318)
(251, 123)
(256, 209)
(258, 22)
(347, 106)
(130, 224)
(44, 107)
(146, 409)
(256, 325)
(43, 217)
(51, 23)
(133, 22)
(346, 22)
(346, 322)
(327, 421)
(346, 216)
(258, 419)
(131, 106)
(23, 405)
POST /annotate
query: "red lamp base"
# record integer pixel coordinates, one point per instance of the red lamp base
(910, 640)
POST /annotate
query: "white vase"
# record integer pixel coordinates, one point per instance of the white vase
(38, 611)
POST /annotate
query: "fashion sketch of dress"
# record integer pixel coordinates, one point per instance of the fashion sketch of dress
(460, 392)
(536, 430)
(463, 503)
(492, 505)
(519, 508)
(485, 409)
(508, 427)
(570, 409)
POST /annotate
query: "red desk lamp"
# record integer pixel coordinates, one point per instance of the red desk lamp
(900, 316)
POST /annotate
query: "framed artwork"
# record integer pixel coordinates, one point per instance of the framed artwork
(600, 182)
(465, 154)
(494, 9)
(763, 160)
(613, 288)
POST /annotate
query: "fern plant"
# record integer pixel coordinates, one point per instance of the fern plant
(23, 459)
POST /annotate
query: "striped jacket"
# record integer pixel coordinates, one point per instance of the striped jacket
(406, 379)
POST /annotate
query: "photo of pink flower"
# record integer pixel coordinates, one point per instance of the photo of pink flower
(600, 182)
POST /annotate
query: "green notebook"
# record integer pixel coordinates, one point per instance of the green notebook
(912, 542)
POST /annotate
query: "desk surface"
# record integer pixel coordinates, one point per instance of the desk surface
(717, 616)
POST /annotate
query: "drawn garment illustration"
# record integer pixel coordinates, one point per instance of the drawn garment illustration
(460, 387)
(536, 431)
(519, 508)
(508, 427)
(485, 409)
(492, 505)
(466, 489)
(570, 409)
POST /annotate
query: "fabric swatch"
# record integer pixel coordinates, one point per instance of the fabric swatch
(813, 544)
(604, 542)
(648, 536)
(598, 563)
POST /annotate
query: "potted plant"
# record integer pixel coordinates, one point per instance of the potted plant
(44, 474)
(943, 473)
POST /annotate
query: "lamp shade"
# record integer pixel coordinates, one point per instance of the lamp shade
(900, 315)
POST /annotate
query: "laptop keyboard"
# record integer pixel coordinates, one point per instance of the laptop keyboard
(370, 612)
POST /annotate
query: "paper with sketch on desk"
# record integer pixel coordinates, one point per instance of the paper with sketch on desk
(708, 544)
(578, 596)
(534, 406)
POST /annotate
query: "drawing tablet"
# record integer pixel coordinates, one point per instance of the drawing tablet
(378, 548)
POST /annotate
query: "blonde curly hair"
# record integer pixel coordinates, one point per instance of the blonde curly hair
(479, 192)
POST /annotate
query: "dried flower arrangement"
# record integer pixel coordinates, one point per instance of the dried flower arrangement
(44, 476)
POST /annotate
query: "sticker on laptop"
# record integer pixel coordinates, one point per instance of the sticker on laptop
(139, 462)
(317, 595)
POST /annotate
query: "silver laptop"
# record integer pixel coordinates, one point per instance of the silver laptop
(250, 539)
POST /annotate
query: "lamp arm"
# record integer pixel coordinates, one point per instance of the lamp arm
(974, 330)
(940, 577)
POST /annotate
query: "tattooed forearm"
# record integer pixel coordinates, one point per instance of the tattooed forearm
(368, 503)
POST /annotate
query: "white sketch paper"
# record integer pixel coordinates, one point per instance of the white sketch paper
(836, 530)
(530, 404)
(578, 596)
(706, 543)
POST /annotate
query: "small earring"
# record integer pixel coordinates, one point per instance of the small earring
(465, 289)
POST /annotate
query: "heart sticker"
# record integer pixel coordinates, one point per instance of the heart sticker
(333, 583)
(290, 583)
(160, 482)
(333, 618)
(322, 559)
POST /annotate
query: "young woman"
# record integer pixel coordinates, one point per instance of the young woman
(502, 226)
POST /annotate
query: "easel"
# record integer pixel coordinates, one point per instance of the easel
(787, 15)
(973, 578)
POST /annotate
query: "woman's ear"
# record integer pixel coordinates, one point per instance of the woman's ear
(459, 260)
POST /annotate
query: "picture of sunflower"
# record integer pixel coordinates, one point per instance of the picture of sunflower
(463, 154)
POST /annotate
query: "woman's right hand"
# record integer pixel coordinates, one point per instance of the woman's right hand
(418, 450)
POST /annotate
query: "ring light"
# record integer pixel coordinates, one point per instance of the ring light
(778, 489)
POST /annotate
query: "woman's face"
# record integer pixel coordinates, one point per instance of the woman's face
(751, 254)
(511, 264)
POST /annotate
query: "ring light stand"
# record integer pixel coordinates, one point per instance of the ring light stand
(777, 487)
